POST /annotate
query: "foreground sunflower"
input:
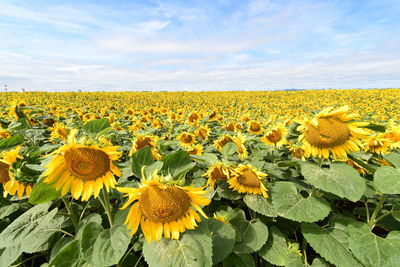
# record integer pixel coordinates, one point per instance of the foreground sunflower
(332, 131)
(162, 208)
(82, 170)
(247, 179)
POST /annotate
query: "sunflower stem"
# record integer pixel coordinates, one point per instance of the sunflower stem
(107, 207)
(70, 212)
(320, 162)
(373, 220)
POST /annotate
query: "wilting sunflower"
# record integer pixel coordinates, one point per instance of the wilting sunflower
(275, 136)
(59, 131)
(141, 141)
(377, 145)
(332, 131)
(218, 171)
(82, 170)
(186, 139)
(254, 127)
(163, 209)
(247, 179)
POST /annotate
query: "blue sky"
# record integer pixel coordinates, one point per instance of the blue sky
(199, 45)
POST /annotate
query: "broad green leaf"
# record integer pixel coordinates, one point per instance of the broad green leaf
(223, 239)
(396, 212)
(251, 235)
(375, 127)
(292, 205)
(208, 158)
(319, 262)
(110, 246)
(276, 248)
(242, 260)
(9, 209)
(372, 250)
(177, 164)
(193, 249)
(224, 191)
(9, 255)
(260, 204)
(393, 158)
(42, 193)
(229, 149)
(59, 245)
(29, 223)
(69, 256)
(11, 141)
(341, 180)
(93, 127)
(149, 170)
(387, 180)
(330, 243)
(90, 233)
(140, 158)
(293, 259)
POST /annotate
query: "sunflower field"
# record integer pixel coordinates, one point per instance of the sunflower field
(289, 178)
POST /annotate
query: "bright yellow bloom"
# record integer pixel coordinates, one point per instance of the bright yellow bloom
(254, 127)
(218, 171)
(141, 141)
(186, 139)
(247, 179)
(275, 136)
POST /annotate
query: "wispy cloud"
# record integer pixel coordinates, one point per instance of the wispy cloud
(222, 45)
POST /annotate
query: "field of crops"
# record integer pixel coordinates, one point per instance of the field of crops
(289, 178)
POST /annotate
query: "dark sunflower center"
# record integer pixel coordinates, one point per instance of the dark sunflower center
(164, 205)
(203, 133)
(4, 175)
(374, 144)
(275, 136)
(230, 127)
(87, 163)
(218, 174)
(140, 143)
(226, 140)
(255, 127)
(186, 138)
(329, 133)
(249, 179)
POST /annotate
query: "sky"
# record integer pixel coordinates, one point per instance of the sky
(198, 45)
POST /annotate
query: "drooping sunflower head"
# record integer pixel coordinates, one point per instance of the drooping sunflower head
(332, 131)
(162, 208)
(194, 117)
(203, 132)
(239, 140)
(254, 127)
(218, 171)
(247, 179)
(297, 151)
(141, 141)
(59, 131)
(186, 139)
(222, 141)
(275, 136)
(377, 144)
(83, 170)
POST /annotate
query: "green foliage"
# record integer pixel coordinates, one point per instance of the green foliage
(140, 159)
(10, 142)
(387, 180)
(42, 193)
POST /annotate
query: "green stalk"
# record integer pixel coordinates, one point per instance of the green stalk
(373, 220)
(70, 212)
(320, 162)
(106, 205)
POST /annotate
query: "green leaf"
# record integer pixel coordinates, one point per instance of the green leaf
(341, 180)
(368, 167)
(292, 205)
(260, 204)
(140, 158)
(29, 223)
(90, 233)
(177, 164)
(252, 236)
(330, 243)
(42, 193)
(243, 260)
(387, 180)
(393, 158)
(11, 141)
(319, 262)
(276, 248)
(110, 246)
(223, 239)
(193, 249)
(224, 191)
(293, 259)
(375, 127)
(229, 149)
(372, 250)
(9, 255)
(69, 256)
(93, 127)
(9, 209)
(288, 163)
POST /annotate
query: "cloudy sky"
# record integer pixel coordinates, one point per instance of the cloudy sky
(199, 44)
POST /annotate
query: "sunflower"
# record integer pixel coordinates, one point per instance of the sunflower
(254, 127)
(218, 171)
(5, 133)
(275, 136)
(247, 179)
(203, 132)
(161, 208)
(331, 131)
(195, 150)
(392, 135)
(59, 131)
(222, 141)
(141, 141)
(296, 151)
(194, 117)
(241, 149)
(186, 139)
(377, 145)
(82, 170)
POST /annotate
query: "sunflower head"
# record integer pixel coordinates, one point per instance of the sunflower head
(275, 136)
(377, 144)
(162, 208)
(332, 131)
(222, 141)
(141, 141)
(186, 139)
(218, 171)
(203, 132)
(59, 131)
(247, 179)
(82, 170)
(254, 127)
(195, 150)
